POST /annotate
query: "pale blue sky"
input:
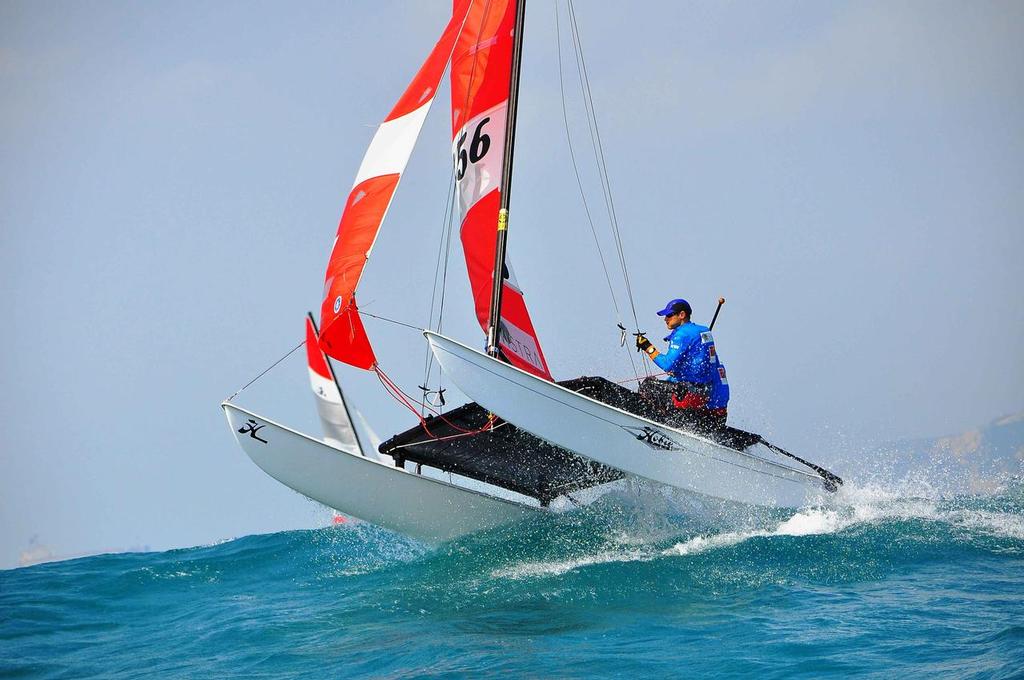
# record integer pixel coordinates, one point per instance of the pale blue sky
(171, 175)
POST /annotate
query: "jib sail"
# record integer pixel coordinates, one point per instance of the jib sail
(343, 336)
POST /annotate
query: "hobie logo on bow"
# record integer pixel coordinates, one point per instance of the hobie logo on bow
(656, 439)
(337, 304)
(251, 428)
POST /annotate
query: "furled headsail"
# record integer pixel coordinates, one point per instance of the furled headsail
(480, 75)
(343, 336)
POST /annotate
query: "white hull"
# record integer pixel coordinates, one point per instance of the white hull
(619, 439)
(426, 509)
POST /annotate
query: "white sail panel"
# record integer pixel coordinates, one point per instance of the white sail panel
(392, 145)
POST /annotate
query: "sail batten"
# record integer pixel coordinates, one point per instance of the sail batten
(343, 336)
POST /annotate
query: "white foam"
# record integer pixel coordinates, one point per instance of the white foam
(559, 567)
(811, 522)
(805, 523)
(699, 544)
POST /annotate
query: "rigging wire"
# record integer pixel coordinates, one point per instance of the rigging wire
(447, 253)
(363, 312)
(266, 370)
(579, 183)
(440, 272)
(602, 167)
(595, 133)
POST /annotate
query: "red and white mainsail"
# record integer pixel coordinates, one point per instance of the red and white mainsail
(480, 74)
(343, 336)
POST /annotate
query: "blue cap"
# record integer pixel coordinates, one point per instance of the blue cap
(676, 306)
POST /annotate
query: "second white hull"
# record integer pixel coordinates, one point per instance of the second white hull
(619, 439)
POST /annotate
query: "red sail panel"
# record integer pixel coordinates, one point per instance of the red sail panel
(480, 74)
(348, 341)
(342, 335)
(314, 357)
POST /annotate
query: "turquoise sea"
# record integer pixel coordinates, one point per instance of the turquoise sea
(884, 584)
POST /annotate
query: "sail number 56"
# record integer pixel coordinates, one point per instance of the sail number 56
(477, 149)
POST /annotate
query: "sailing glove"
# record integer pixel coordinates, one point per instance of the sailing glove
(644, 345)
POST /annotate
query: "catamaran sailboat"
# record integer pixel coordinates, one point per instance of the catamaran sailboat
(526, 440)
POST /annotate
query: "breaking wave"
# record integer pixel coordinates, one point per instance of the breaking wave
(887, 579)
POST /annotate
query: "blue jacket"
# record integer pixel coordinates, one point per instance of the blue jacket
(689, 355)
(719, 387)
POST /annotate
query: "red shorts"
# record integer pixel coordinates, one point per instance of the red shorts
(690, 400)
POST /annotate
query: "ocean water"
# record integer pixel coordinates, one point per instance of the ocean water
(885, 583)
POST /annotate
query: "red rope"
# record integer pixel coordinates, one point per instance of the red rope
(409, 402)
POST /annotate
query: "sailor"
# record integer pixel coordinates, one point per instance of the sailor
(694, 393)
